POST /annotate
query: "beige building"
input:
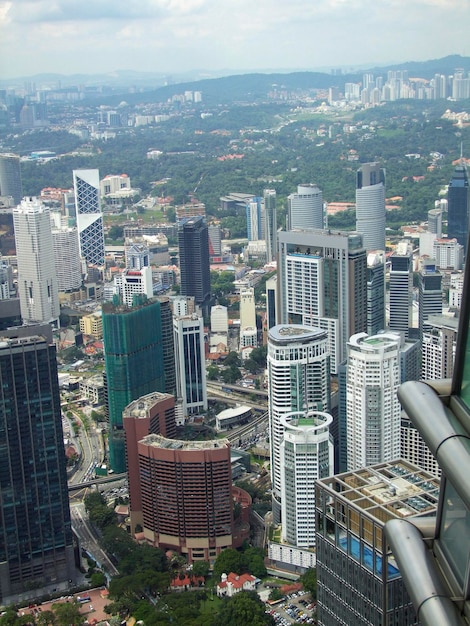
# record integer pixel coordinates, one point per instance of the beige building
(92, 325)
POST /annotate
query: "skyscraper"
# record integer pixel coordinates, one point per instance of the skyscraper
(401, 288)
(134, 363)
(190, 363)
(36, 551)
(305, 208)
(193, 246)
(89, 215)
(375, 292)
(270, 216)
(458, 205)
(323, 283)
(10, 177)
(429, 294)
(255, 219)
(37, 279)
(306, 456)
(187, 502)
(370, 205)
(67, 258)
(298, 382)
(357, 576)
(372, 407)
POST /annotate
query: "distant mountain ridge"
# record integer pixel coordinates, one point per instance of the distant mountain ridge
(243, 86)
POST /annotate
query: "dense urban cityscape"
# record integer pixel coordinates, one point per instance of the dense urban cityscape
(233, 360)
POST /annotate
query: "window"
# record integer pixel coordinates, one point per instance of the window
(454, 536)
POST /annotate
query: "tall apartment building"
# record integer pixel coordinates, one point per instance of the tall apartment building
(219, 319)
(306, 456)
(36, 551)
(358, 579)
(67, 260)
(270, 212)
(248, 332)
(89, 215)
(429, 294)
(190, 363)
(438, 348)
(168, 344)
(193, 246)
(323, 283)
(401, 288)
(298, 365)
(37, 279)
(372, 407)
(375, 292)
(134, 364)
(370, 205)
(186, 491)
(305, 208)
(255, 219)
(458, 205)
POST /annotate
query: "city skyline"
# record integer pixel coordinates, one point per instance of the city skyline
(159, 37)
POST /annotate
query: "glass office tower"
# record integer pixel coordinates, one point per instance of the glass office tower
(36, 552)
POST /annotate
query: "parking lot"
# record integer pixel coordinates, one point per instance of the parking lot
(297, 608)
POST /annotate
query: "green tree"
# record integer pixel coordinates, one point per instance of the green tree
(98, 579)
(212, 372)
(229, 560)
(231, 374)
(309, 582)
(201, 568)
(243, 608)
(68, 613)
(275, 594)
(232, 358)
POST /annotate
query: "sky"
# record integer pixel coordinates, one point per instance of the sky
(172, 36)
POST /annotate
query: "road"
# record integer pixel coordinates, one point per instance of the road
(87, 538)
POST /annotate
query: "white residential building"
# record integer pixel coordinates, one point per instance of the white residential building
(306, 456)
(318, 271)
(372, 406)
(68, 264)
(298, 365)
(448, 254)
(37, 279)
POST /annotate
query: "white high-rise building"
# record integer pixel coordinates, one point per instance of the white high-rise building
(438, 347)
(89, 215)
(323, 283)
(456, 290)
(219, 319)
(306, 456)
(134, 282)
(190, 363)
(37, 279)
(370, 205)
(448, 254)
(298, 381)
(67, 258)
(305, 208)
(247, 307)
(372, 406)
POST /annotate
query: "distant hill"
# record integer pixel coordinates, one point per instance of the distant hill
(248, 87)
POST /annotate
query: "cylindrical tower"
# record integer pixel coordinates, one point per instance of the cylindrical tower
(298, 381)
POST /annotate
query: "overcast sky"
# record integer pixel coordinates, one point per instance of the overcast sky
(170, 36)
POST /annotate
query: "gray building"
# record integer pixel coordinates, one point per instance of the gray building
(359, 581)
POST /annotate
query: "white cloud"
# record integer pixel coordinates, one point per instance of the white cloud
(171, 35)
